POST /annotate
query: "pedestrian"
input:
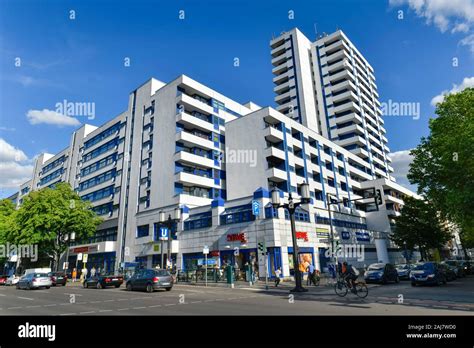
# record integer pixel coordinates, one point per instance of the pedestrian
(277, 277)
(84, 274)
(93, 271)
(74, 275)
(310, 278)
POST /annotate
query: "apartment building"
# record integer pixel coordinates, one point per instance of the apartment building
(329, 87)
(183, 145)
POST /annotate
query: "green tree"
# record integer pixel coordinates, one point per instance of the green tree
(7, 218)
(443, 163)
(48, 216)
(419, 225)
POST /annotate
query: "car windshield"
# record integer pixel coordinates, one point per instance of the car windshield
(423, 267)
(451, 263)
(40, 275)
(162, 273)
(377, 267)
(401, 266)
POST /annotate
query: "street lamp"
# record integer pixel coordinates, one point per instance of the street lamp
(169, 225)
(291, 207)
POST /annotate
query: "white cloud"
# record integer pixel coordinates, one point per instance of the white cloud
(467, 82)
(401, 164)
(468, 41)
(10, 153)
(15, 166)
(50, 117)
(457, 15)
(7, 129)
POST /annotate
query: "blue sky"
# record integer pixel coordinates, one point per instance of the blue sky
(83, 59)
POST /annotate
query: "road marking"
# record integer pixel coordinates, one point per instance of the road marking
(170, 304)
(66, 293)
(196, 301)
(123, 309)
(14, 307)
(154, 306)
(90, 312)
(50, 305)
(2, 295)
(26, 298)
(209, 300)
(68, 314)
(32, 306)
(122, 299)
(105, 310)
(139, 307)
(95, 301)
(109, 300)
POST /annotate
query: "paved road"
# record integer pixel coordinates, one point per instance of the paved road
(455, 298)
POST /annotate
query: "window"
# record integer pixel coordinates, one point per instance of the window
(103, 209)
(270, 212)
(300, 215)
(101, 149)
(142, 231)
(53, 164)
(237, 214)
(97, 180)
(101, 136)
(96, 195)
(51, 176)
(99, 165)
(197, 221)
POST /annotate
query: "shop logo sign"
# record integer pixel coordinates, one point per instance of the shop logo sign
(237, 237)
(302, 235)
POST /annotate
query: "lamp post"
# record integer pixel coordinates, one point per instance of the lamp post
(168, 223)
(291, 207)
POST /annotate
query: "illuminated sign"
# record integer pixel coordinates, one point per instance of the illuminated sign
(237, 237)
(302, 235)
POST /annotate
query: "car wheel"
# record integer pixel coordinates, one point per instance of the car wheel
(149, 288)
(17, 286)
(169, 289)
(28, 287)
(129, 287)
(117, 286)
(397, 280)
(47, 287)
(384, 280)
(413, 284)
(99, 285)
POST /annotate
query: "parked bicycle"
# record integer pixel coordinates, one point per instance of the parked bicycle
(341, 288)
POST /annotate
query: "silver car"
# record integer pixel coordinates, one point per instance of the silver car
(34, 281)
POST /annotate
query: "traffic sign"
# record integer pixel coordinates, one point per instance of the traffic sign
(79, 257)
(205, 250)
(255, 208)
(164, 232)
(84, 258)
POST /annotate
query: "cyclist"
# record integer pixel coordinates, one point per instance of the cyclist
(349, 274)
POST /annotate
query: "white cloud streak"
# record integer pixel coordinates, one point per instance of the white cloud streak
(466, 82)
(51, 117)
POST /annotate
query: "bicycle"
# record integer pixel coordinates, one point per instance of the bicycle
(342, 289)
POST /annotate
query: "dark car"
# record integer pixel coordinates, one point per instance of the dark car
(150, 280)
(450, 272)
(428, 273)
(466, 266)
(381, 273)
(102, 281)
(456, 266)
(58, 278)
(403, 271)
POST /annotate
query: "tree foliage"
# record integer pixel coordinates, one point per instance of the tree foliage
(443, 164)
(48, 216)
(419, 225)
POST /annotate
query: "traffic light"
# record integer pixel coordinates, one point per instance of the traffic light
(261, 247)
(378, 197)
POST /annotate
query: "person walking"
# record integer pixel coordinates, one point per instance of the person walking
(310, 278)
(277, 277)
(74, 275)
(93, 271)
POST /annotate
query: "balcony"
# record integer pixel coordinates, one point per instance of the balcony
(194, 122)
(283, 88)
(195, 180)
(190, 158)
(346, 106)
(190, 140)
(280, 69)
(362, 153)
(276, 175)
(193, 103)
(283, 98)
(273, 134)
(282, 77)
(279, 59)
(272, 151)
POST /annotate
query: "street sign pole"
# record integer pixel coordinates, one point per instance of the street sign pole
(205, 251)
(205, 268)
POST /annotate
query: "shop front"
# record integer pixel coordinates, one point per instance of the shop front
(101, 256)
(305, 258)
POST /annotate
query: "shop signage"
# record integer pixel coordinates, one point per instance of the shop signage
(210, 262)
(205, 250)
(302, 235)
(345, 235)
(322, 234)
(157, 248)
(363, 236)
(322, 230)
(86, 249)
(214, 253)
(237, 237)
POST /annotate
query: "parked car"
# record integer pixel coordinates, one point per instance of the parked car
(466, 266)
(450, 272)
(3, 279)
(427, 273)
(12, 280)
(381, 273)
(34, 281)
(102, 281)
(456, 266)
(150, 280)
(403, 271)
(58, 278)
